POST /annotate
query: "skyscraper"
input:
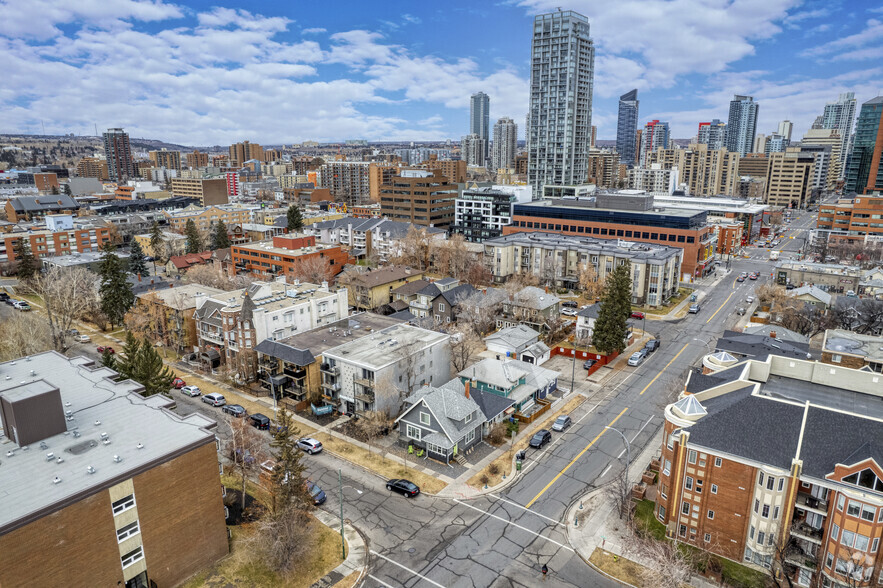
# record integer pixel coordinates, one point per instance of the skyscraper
(118, 152)
(505, 143)
(626, 127)
(473, 149)
(713, 134)
(655, 135)
(785, 128)
(742, 124)
(479, 119)
(865, 172)
(560, 113)
(840, 115)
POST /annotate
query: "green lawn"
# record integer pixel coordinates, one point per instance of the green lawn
(645, 516)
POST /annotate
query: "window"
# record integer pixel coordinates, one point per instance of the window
(661, 512)
(781, 484)
(829, 560)
(699, 486)
(663, 489)
(128, 531)
(836, 358)
(711, 514)
(854, 509)
(714, 488)
(688, 483)
(862, 542)
(413, 432)
(840, 501)
(868, 513)
(707, 537)
(760, 537)
(760, 479)
(441, 306)
(123, 504)
(835, 531)
(468, 418)
(685, 508)
(718, 462)
(847, 538)
(765, 513)
(136, 554)
(667, 470)
(691, 456)
(470, 436)
(756, 505)
(776, 513)
(875, 544)
(751, 532)
(682, 530)
(770, 483)
(424, 418)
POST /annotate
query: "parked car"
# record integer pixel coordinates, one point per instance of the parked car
(752, 277)
(636, 358)
(105, 349)
(316, 493)
(404, 487)
(562, 423)
(82, 338)
(587, 365)
(694, 309)
(790, 286)
(652, 345)
(750, 299)
(568, 312)
(22, 305)
(740, 311)
(309, 445)
(178, 383)
(234, 410)
(569, 303)
(190, 390)
(10, 301)
(540, 438)
(637, 315)
(259, 421)
(4, 296)
(214, 399)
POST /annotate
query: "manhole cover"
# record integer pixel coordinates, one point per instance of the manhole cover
(411, 550)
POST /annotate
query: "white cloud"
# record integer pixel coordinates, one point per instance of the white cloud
(314, 31)
(872, 32)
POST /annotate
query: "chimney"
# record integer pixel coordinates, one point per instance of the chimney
(772, 334)
(467, 388)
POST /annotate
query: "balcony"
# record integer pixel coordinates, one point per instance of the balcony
(420, 305)
(332, 370)
(807, 533)
(212, 336)
(296, 375)
(366, 396)
(365, 382)
(796, 556)
(333, 386)
(816, 505)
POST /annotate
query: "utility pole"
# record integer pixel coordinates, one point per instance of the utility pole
(340, 487)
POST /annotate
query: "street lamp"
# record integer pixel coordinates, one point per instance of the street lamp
(628, 449)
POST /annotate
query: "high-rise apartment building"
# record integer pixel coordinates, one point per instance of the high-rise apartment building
(790, 178)
(865, 174)
(421, 197)
(827, 138)
(473, 149)
(759, 144)
(242, 152)
(840, 115)
(92, 167)
(702, 171)
(776, 143)
(505, 143)
(349, 181)
(480, 120)
(785, 128)
(655, 136)
(626, 127)
(713, 134)
(197, 159)
(560, 113)
(166, 159)
(742, 124)
(118, 152)
(604, 168)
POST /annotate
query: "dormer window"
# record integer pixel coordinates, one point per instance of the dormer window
(468, 418)
(866, 479)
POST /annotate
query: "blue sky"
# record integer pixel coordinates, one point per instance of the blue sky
(202, 73)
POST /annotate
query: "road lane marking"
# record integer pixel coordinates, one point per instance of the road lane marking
(579, 455)
(607, 469)
(719, 309)
(663, 369)
(508, 522)
(407, 569)
(524, 508)
(632, 440)
(379, 581)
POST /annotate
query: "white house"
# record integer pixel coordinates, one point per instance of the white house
(518, 342)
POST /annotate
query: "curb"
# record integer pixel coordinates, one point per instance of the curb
(357, 552)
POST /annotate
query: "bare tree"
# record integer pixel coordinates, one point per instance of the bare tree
(313, 270)
(414, 250)
(591, 285)
(620, 492)
(478, 312)
(23, 334)
(372, 424)
(452, 258)
(283, 539)
(669, 566)
(67, 294)
(556, 329)
(478, 274)
(464, 346)
(771, 294)
(246, 451)
(214, 276)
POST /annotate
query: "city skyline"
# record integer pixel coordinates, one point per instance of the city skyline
(230, 74)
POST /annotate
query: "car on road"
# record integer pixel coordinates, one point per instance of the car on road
(569, 303)
(404, 487)
(105, 349)
(309, 445)
(752, 276)
(259, 421)
(4, 296)
(750, 299)
(740, 279)
(636, 358)
(10, 301)
(562, 422)
(568, 312)
(587, 365)
(214, 399)
(316, 493)
(740, 311)
(637, 315)
(652, 345)
(790, 286)
(190, 390)
(694, 309)
(178, 383)
(82, 338)
(21, 305)
(234, 410)
(540, 438)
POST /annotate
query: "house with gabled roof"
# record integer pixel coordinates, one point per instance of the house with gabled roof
(518, 342)
(524, 383)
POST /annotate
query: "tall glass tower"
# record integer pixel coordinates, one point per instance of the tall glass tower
(742, 124)
(865, 172)
(840, 115)
(626, 127)
(479, 120)
(560, 112)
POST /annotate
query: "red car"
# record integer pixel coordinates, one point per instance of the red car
(102, 349)
(637, 315)
(178, 383)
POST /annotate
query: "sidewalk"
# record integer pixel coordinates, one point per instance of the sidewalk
(356, 561)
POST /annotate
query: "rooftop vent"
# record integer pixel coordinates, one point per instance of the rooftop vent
(10, 453)
(90, 470)
(97, 423)
(50, 457)
(139, 446)
(106, 441)
(56, 480)
(117, 458)
(59, 460)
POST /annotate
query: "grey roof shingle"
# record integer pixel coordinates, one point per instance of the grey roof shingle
(286, 353)
(491, 405)
(450, 406)
(760, 347)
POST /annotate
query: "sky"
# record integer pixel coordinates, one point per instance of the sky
(214, 72)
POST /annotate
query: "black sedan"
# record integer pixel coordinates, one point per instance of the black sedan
(540, 438)
(403, 487)
(234, 410)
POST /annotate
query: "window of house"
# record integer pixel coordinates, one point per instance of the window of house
(756, 505)
(718, 462)
(765, 513)
(685, 508)
(699, 486)
(468, 417)
(688, 483)
(770, 483)
(854, 509)
(413, 432)
(691, 456)
(751, 532)
(862, 542)
(835, 531)
(760, 479)
(661, 512)
(667, 470)
(776, 513)
(714, 488)
(424, 418)
(123, 504)
(781, 484)
(760, 537)
(470, 436)
(711, 514)
(868, 512)
(707, 537)
(829, 560)
(441, 306)
(875, 544)
(847, 538)
(136, 554)
(663, 490)
(840, 501)
(127, 531)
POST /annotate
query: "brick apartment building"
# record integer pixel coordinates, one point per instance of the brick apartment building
(28, 208)
(420, 197)
(767, 463)
(196, 159)
(284, 255)
(60, 242)
(102, 487)
(207, 190)
(92, 167)
(206, 217)
(245, 151)
(860, 219)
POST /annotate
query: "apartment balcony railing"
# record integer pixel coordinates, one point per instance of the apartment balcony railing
(364, 382)
(806, 532)
(807, 502)
(213, 337)
(333, 370)
(333, 386)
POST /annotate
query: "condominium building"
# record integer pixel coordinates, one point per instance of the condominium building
(701, 170)
(286, 255)
(245, 151)
(454, 171)
(560, 112)
(378, 175)
(93, 167)
(166, 159)
(377, 237)
(769, 463)
(655, 136)
(790, 179)
(785, 128)
(472, 150)
(205, 218)
(656, 269)
(865, 172)
(195, 159)
(481, 213)
(505, 144)
(741, 124)
(92, 471)
(653, 178)
(840, 115)
(828, 138)
(118, 154)
(776, 143)
(420, 197)
(826, 167)
(713, 134)
(479, 121)
(859, 219)
(349, 181)
(28, 208)
(605, 169)
(626, 125)
(207, 190)
(755, 165)
(59, 241)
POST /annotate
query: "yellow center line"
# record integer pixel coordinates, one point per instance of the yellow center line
(663, 369)
(573, 461)
(719, 309)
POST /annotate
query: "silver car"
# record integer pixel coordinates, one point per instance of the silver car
(561, 423)
(636, 358)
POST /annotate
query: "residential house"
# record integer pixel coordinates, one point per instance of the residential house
(531, 306)
(372, 289)
(526, 384)
(585, 321)
(853, 350)
(257, 232)
(776, 332)
(176, 306)
(179, 264)
(810, 294)
(377, 373)
(446, 305)
(518, 342)
(173, 244)
(871, 283)
(444, 421)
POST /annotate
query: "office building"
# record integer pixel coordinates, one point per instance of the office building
(118, 153)
(790, 179)
(859, 219)
(755, 165)
(825, 170)
(865, 174)
(245, 151)
(207, 190)
(453, 170)
(349, 181)
(421, 197)
(505, 144)
(93, 167)
(828, 138)
(759, 144)
(92, 471)
(840, 115)
(473, 149)
(785, 128)
(768, 462)
(479, 120)
(776, 143)
(166, 159)
(560, 112)
(481, 213)
(655, 136)
(713, 134)
(741, 124)
(626, 126)
(701, 171)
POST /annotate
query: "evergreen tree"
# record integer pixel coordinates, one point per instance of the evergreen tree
(27, 263)
(115, 290)
(125, 363)
(288, 487)
(611, 328)
(108, 360)
(137, 260)
(156, 240)
(295, 220)
(194, 239)
(220, 239)
(150, 371)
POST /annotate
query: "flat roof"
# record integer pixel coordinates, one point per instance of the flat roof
(184, 296)
(97, 405)
(386, 346)
(616, 247)
(842, 341)
(79, 258)
(273, 295)
(821, 395)
(352, 328)
(268, 247)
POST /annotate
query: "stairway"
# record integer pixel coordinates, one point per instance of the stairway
(461, 460)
